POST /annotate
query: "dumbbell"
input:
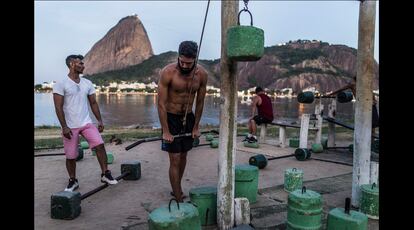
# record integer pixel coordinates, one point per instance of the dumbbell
(260, 160)
(66, 205)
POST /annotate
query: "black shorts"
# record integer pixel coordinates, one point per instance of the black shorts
(375, 117)
(175, 126)
(261, 120)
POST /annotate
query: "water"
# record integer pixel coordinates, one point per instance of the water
(134, 110)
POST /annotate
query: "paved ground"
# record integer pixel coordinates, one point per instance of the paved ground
(127, 205)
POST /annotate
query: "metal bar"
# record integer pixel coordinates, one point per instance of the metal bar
(43, 148)
(331, 161)
(102, 186)
(275, 158)
(50, 154)
(150, 139)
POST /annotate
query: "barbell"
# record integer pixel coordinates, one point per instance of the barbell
(301, 154)
(150, 139)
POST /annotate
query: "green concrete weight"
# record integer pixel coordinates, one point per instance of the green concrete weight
(294, 142)
(317, 148)
(183, 216)
(214, 143)
(209, 137)
(346, 219)
(251, 145)
(245, 43)
(110, 157)
(65, 205)
(304, 210)
(80, 154)
(84, 144)
(293, 179)
(246, 182)
(369, 203)
(205, 199)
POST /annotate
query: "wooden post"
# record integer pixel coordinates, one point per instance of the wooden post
(241, 211)
(318, 111)
(228, 124)
(282, 136)
(373, 177)
(363, 104)
(263, 133)
(304, 128)
(331, 126)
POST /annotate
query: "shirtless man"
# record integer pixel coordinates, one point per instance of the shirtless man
(177, 89)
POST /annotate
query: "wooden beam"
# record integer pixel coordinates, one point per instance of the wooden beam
(363, 103)
(228, 125)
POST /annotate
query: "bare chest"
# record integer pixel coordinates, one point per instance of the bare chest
(181, 85)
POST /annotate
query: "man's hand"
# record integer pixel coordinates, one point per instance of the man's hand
(167, 137)
(100, 126)
(196, 132)
(67, 132)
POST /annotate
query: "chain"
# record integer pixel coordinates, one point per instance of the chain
(245, 4)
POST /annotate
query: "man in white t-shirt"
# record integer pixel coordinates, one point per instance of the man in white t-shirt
(71, 97)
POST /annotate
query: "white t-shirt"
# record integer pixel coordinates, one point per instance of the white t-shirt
(75, 100)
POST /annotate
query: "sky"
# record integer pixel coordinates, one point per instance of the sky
(73, 27)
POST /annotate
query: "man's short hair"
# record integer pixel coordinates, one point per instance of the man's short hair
(72, 57)
(188, 49)
(258, 89)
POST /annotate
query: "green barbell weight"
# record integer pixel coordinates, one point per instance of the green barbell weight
(214, 143)
(317, 148)
(80, 154)
(84, 145)
(110, 157)
(209, 137)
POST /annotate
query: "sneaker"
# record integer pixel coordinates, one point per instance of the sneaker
(252, 139)
(107, 178)
(73, 185)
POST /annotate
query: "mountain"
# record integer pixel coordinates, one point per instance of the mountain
(125, 44)
(297, 65)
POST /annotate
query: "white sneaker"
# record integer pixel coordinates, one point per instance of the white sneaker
(73, 185)
(107, 178)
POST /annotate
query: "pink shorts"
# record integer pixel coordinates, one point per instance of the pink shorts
(89, 132)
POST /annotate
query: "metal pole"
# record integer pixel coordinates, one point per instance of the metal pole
(363, 104)
(90, 193)
(228, 125)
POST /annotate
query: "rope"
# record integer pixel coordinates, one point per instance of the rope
(195, 63)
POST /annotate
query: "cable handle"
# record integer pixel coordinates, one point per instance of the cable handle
(169, 204)
(251, 17)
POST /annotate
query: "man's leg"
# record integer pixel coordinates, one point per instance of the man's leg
(250, 126)
(71, 167)
(94, 138)
(183, 162)
(102, 158)
(174, 173)
(254, 128)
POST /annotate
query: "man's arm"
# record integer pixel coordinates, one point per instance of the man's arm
(96, 112)
(58, 101)
(162, 101)
(201, 93)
